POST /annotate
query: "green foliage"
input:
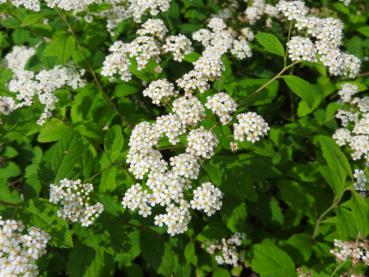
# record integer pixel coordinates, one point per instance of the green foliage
(291, 193)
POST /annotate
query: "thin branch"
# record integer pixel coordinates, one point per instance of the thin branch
(90, 69)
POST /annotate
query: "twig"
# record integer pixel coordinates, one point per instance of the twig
(90, 69)
(335, 203)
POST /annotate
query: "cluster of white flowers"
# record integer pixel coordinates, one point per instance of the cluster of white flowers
(33, 5)
(139, 8)
(354, 118)
(207, 198)
(361, 181)
(225, 251)
(147, 46)
(20, 248)
(160, 91)
(17, 59)
(222, 105)
(179, 46)
(301, 49)
(28, 86)
(74, 198)
(327, 34)
(354, 251)
(171, 184)
(251, 125)
(346, 2)
(166, 182)
(70, 5)
(189, 110)
(257, 9)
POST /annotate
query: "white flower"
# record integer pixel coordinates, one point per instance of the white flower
(250, 125)
(159, 91)
(189, 110)
(301, 49)
(20, 248)
(225, 251)
(74, 199)
(154, 27)
(207, 198)
(171, 126)
(241, 49)
(222, 105)
(347, 91)
(179, 46)
(185, 165)
(201, 143)
(17, 59)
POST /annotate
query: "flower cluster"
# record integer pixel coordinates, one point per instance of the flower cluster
(327, 34)
(257, 9)
(301, 49)
(225, 251)
(250, 125)
(222, 105)
(74, 198)
(17, 59)
(354, 251)
(169, 182)
(354, 117)
(159, 91)
(361, 181)
(29, 87)
(147, 46)
(20, 248)
(33, 5)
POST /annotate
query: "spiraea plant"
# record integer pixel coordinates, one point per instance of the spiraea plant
(184, 138)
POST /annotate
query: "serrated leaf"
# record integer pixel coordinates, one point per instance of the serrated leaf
(62, 46)
(84, 261)
(53, 130)
(269, 260)
(41, 213)
(60, 160)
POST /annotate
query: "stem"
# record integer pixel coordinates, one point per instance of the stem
(4, 203)
(90, 69)
(335, 203)
(338, 267)
(271, 80)
(288, 39)
(363, 74)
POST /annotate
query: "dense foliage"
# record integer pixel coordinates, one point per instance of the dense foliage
(184, 138)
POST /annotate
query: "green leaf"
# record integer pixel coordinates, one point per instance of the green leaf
(364, 30)
(271, 43)
(338, 165)
(84, 261)
(108, 179)
(269, 260)
(301, 88)
(302, 243)
(190, 253)
(345, 224)
(60, 160)
(31, 18)
(221, 272)
(41, 213)
(113, 142)
(53, 130)
(360, 212)
(62, 46)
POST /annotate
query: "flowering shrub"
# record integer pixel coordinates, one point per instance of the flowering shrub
(184, 138)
